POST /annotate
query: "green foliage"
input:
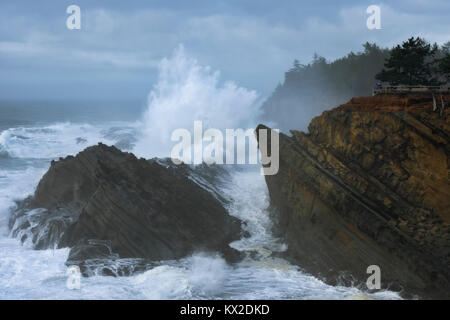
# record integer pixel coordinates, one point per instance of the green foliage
(444, 62)
(444, 66)
(308, 89)
(411, 64)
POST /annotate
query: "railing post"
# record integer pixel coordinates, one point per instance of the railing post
(434, 102)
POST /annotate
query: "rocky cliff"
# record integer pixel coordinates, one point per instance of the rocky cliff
(369, 185)
(107, 204)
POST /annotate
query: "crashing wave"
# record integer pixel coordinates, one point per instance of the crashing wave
(62, 139)
(41, 228)
(3, 153)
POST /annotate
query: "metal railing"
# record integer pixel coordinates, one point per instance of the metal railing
(410, 89)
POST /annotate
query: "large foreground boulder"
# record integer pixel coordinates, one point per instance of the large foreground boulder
(369, 185)
(107, 204)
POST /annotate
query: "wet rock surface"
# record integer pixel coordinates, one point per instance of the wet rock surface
(109, 205)
(369, 185)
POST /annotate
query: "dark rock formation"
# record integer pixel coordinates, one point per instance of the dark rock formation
(369, 185)
(96, 258)
(140, 208)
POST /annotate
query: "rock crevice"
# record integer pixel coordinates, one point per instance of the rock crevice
(369, 185)
(146, 209)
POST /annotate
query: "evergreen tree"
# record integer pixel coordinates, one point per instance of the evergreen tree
(410, 64)
(310, 88)
(444, 62)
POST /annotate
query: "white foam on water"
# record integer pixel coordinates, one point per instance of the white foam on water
(41, 274)
(185, 92)
(30, 150)
(251, 207)
(52, 141)
(16, 185)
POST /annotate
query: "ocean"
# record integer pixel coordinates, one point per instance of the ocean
(33, 133)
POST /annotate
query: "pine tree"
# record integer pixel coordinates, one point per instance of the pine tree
(444, 62)
(410, 64)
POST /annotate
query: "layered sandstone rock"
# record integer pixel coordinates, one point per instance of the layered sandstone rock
(369, 185)
(107, 204)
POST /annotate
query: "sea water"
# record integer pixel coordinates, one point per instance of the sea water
(187, 92)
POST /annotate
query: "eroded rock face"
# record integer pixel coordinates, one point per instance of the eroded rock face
(369, 185)
(142, 208)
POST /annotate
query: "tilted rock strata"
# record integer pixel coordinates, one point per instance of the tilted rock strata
(143, 208)
(369, 185)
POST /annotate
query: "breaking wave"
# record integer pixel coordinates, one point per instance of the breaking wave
(62, 139)
(186, 92)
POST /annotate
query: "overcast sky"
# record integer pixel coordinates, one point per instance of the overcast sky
(252, 42)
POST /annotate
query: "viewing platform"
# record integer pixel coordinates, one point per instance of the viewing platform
(437, 97)
(411, 90)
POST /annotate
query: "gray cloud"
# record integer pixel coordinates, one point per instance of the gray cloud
(117, 50)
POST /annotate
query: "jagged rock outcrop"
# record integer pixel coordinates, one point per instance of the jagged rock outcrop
(107, 204)
(369, 185)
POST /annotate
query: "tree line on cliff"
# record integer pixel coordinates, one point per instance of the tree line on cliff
(417, 62)
(309, 89)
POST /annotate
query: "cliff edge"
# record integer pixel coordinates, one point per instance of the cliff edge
(369, 185)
